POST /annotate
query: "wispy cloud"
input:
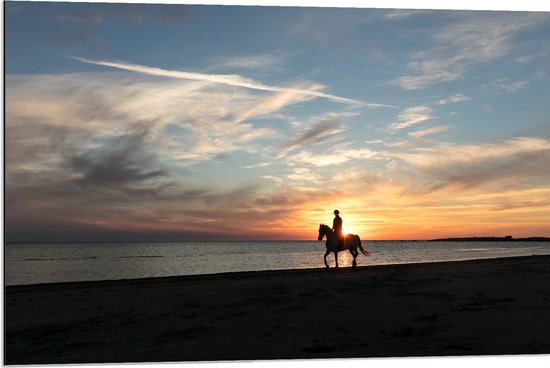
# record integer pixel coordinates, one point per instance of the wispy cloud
(412, 116)
(84, 17)
(254, 166)
(267, 105)
(400, 14)
(106, 141)
(232, 80)
(476, 38)
(75, 25)
(503, 85)
(412, 82)
(251, 62)
(318, 133)
(77, 120)
(429, 131)
(459, 97)
(339, 156)
(303, 175)
(470, 165)
(128, 15)
(276, 179)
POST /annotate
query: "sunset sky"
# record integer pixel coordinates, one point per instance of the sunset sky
(189, 122)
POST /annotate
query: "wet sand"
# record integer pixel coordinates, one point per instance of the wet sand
(483, 307)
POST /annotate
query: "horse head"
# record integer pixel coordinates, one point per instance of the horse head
(322, 231)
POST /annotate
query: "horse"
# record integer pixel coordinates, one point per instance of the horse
(351, 243)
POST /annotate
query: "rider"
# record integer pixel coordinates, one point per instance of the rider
(337, 227)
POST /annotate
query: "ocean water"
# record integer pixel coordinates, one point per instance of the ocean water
(35, 263)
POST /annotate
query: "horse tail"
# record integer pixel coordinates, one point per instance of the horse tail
(361, 248)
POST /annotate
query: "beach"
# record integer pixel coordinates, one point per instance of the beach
(479, 307)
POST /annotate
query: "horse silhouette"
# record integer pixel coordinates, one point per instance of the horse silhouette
(351, 243)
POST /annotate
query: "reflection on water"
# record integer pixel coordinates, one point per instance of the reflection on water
(345, 259)
(39, 263)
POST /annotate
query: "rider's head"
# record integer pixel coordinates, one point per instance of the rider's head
(336, 212)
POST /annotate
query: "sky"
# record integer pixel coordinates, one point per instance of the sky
(196, 122)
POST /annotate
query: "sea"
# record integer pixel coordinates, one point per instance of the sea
(36, 263)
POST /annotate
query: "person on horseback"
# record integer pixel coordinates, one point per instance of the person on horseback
(337, 228)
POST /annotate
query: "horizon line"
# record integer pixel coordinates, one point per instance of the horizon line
(465, 238)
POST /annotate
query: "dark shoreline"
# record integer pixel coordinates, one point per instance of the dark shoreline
(494, 238)
(474, 307)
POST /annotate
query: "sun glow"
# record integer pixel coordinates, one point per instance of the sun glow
(347, 229)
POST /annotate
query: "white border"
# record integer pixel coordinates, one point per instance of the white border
(531, 361)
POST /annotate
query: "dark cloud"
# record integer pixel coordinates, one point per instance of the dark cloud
(521, 167)
(510, 205)
(125, 165)
(81, 215)
(74, 24)
(318, 133)
(65, 229)
(521, 162)
(128, 15)
(170, 13)
(133, 14)
(510, 171)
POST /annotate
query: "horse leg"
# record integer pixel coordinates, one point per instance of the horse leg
(336, 258)
(325, 258)
(354, 254)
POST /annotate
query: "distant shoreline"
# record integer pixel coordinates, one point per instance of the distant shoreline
(495, 238)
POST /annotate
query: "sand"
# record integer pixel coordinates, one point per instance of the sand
(484, 307)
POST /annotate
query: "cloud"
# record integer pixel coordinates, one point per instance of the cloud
(276, 179)
(510, 162)
(325, 159)
(505, 86)
(232, 80)
(318, 133)
(310, 25)
(75, 25)
(339, 156)
(412, 116)
(302, 175)
(475, 38)
(253, 166)
(123, 165)
(251, 62)
(400, 14)
(459, 97)
(269, 104)
(468, 153)
(128, 15)
(115, 154)
(423, 80)
(78, 214)
(86, 17)
(185, 125)
(429, 131)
